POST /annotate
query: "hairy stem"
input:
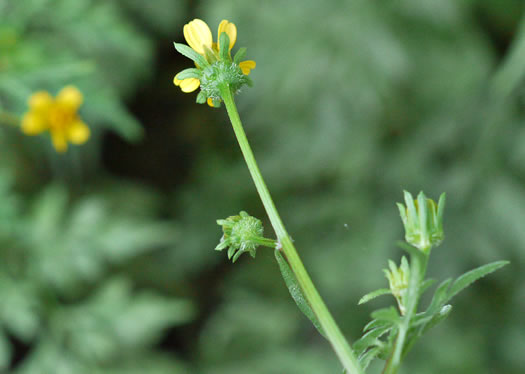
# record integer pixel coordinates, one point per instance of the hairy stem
(333, 333)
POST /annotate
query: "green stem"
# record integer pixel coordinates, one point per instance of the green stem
(333, 333)
(418, 265)
(270, 243)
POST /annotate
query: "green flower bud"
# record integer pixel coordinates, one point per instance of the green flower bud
(423, 221)
(242, 233)
(398, 280)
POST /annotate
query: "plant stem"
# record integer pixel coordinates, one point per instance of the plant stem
(418, 264)
(333, 333)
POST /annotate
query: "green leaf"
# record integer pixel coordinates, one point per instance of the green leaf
(470, 277)
(411, 250)
(425, 285)
(296, 292)
(368, 356)
(211, 55)
(371, 338)
(372, 295)
(189, 73)
(438, 317)
(191, 54)
(439, 298)
(239, 56)
(386, 314)
(375, 324)
(224, 42)
(201, 99)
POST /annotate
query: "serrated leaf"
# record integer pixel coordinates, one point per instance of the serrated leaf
(191, 54)
(470, 277)
(372, 295)
(296, 292)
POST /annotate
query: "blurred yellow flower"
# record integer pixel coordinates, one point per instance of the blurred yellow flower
(58, 116)
(199, 37)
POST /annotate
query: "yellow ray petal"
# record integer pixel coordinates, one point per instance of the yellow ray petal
(189, 84)
(33, 124)
(78, 132)
(69, 97)
(59, 140)
(230, 29)
(40, 101)
(198, 35)
(210, 102)
(246, 66)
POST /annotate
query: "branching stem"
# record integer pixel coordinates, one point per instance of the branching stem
(333, 333)
(418, 265)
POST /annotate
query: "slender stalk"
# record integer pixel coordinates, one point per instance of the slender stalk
(333, 333)
(418, 264)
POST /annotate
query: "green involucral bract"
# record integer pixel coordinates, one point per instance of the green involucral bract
(242, 233)
(423, 221)
(219, 74)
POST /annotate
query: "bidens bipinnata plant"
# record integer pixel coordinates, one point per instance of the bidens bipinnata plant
(392, 332)
(57, 115)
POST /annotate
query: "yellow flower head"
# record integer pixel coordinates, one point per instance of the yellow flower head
(209, 54)
(58, 116)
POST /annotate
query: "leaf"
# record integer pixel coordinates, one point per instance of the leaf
(386, 314)
(189, 73)
(438, 317)
(375, 324)
(371, 338)
(368, 356)
(224, 41)
(439, 298)
(191, 54)
(241, 53)
(411, 250)
(372, 295)
(425, 285)
(470, 277)
(296, 292)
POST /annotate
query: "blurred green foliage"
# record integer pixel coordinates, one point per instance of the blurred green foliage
(353, 102)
